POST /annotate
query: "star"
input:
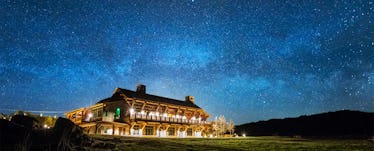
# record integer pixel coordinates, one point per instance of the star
(242, 58)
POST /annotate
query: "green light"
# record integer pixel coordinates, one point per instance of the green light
(118, 112)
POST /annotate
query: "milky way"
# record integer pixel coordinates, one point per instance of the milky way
(247, 60)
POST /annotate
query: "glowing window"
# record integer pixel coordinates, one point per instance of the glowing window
(118, 113)
(171, 131)
(189, 132)
(149, 130)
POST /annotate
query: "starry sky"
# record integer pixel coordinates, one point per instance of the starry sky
(247, 60)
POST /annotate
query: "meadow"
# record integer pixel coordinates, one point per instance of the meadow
(232, 144)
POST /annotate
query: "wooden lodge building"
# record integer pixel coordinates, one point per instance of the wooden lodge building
(136, 113)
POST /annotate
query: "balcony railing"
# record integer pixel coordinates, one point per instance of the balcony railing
(138, 116)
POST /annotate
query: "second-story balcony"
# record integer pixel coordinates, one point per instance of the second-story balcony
(145, 117)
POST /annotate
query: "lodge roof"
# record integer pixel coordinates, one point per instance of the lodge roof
(147, 97)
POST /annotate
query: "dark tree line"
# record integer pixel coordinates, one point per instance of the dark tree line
(342, 124)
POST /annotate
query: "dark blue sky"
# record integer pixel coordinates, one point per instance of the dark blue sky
(248, 60)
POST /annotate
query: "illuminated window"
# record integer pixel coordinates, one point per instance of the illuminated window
(149, 130)
(189, 132)
(136, 127)
(171, 131)
(136, 130)
(118, 113)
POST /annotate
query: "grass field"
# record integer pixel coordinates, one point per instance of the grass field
(248, 143)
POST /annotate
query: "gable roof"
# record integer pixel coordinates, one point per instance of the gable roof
(148, 97)
(114, 97)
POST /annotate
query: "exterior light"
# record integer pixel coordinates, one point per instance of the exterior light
(243, 135)
(89, 116)
(41, 114)
(132, 111)
(45, 126)
(55, 116)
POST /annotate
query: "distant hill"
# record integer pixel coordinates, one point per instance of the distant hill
(341, 124)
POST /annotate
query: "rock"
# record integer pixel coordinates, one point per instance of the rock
(25, 121)
(64, 136)
(42, 139)
(14, 136)
(68, 134)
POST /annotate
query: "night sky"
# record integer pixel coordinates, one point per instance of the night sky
(247, 60)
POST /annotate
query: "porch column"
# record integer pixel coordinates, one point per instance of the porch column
(157, 130)
(131, 128)
(142, 128)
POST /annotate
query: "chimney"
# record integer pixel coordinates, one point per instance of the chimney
(190, 99)
(140, 89)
